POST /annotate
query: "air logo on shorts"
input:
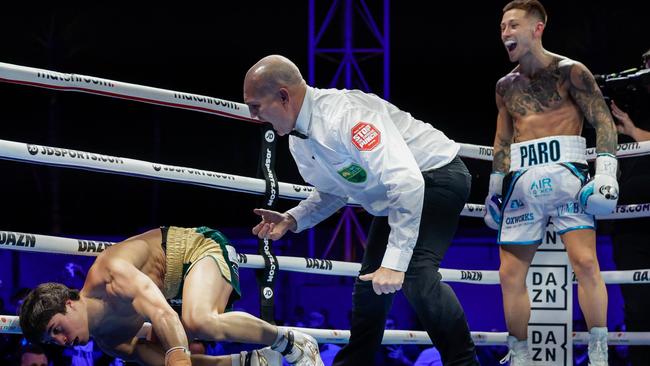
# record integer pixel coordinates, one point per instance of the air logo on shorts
(539, 153)
(541, 187)
(365, 136)
(353, 173)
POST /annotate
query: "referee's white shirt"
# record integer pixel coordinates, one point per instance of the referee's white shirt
(360, 146)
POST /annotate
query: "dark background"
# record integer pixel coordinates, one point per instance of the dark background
(445, 60)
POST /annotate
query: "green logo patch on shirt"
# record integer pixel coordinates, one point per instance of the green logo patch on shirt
(353, 173)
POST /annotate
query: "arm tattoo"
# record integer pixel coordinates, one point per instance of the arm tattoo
(501, 88)
(501, 160)
(587, 95)
(501, 152)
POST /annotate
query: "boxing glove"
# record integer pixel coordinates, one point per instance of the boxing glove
(493, 201)
(600, 194)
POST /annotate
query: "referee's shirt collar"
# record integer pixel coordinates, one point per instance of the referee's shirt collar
(303, 122)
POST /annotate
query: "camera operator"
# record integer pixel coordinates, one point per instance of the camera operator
(626, 126)
(624, 123)
(631, 242)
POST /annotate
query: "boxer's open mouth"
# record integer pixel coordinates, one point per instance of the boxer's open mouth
(510, 45)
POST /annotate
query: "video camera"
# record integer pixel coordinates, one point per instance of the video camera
(629, 88)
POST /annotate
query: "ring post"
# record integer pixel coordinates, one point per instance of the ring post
(266, 277)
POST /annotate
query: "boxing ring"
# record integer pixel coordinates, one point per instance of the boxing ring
(548, 255)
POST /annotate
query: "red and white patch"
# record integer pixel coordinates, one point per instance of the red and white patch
(365, 136)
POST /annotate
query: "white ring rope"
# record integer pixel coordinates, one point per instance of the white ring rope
(96, 162)
(626, 150)
(479, 338)
(89, 84)
(10, 324)
(18, 241)
(51, 244)
(54, 156)
(42, 78)
(16, 74)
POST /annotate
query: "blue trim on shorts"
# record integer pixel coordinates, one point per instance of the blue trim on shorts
(575, 172)
(506, 198)
(576, 228)
(531, 242)
(584, 195)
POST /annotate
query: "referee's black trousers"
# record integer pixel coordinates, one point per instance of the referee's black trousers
(436, 305)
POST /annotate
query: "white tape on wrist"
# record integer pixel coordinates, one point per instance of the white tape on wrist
(606, 164)
(177, 348)
(496, 182)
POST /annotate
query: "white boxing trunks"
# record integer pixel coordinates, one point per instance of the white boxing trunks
(545, 177)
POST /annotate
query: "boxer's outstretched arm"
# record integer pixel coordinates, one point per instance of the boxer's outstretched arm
(126, 282)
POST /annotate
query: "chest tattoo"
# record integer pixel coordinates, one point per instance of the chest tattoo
(536, 94)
